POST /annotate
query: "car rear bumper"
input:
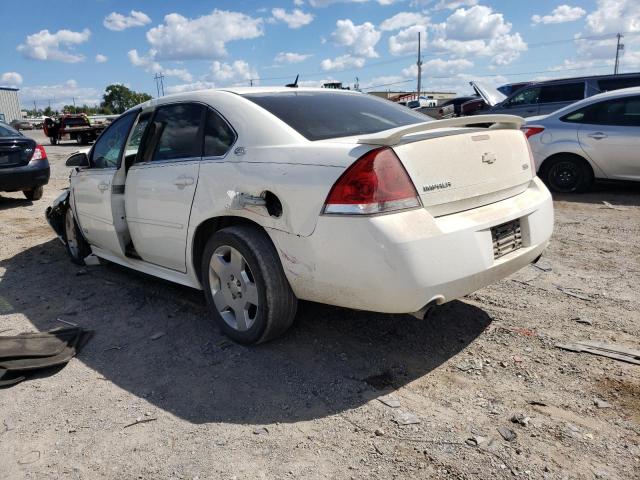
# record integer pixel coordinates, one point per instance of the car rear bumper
(399, 263)
(24, 178)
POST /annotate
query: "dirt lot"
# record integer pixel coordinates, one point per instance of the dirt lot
(308, 405)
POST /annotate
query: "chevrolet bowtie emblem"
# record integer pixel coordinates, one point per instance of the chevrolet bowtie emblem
(489, 158)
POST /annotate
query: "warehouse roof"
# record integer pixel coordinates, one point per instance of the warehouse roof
(9, 88)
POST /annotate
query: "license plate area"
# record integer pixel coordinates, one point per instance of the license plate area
(506, 238)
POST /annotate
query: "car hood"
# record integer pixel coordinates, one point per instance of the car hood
(489, 94)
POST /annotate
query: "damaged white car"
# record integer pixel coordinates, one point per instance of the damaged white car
(263, 196)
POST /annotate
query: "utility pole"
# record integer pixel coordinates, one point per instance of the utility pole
(159, 78)
(419, 67)
(356, 87)
(619, 48)
(75, 110)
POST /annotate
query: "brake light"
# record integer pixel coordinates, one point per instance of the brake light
(531, 131)
(38, 154)
(376, 183)
(532, 161)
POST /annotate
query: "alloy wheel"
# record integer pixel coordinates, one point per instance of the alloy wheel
(233, 288)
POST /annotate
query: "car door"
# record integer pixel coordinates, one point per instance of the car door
(161, 183)
(558, 95)
(92, 186)
(610, 135)
(524, 103)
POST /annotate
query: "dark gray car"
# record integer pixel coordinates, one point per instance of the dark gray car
(546, 97)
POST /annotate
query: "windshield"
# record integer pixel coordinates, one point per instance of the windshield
(322, 115)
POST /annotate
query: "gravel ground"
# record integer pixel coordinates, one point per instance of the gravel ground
(309, 405)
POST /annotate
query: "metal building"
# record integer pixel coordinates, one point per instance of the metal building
(9, 104)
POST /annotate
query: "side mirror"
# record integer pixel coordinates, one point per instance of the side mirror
(78, 160)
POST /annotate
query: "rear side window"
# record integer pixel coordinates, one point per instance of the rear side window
(218, 136)
(562, 92)
(618, 83)
(322, 115)
(177, 128)
(624, 112)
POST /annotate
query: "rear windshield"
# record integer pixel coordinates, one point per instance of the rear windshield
(7, 131)
(322, 115)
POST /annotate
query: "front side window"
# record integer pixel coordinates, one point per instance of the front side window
(218, 135)
(562, 92)
(108, 148)
(177, 128)
(609, 84)
(525, 97)
(135, 139)
(323, 115)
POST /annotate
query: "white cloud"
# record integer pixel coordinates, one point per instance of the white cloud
(152, 66)
(298, 3)
(477, 31)
(58, 46)
(560, 14)
(59, 95)
(477, 22)
(438, 66)
(402, 20)
(101, 58)
(118, 22)
(205, 37)
(342, 62)
(326, 3)
(189, 87)
(234, 73)
(406, 41)
(296, 19)
(360, 40)
(290, 57)
(613, 16)
(454, 4)
(10, 79)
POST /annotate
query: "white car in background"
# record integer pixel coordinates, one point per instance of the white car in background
(264, 196)
(596, 138)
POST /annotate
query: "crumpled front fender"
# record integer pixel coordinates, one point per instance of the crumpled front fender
(56, 212)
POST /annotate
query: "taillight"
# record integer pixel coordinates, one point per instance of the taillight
(38, 154)
(532, 161)
(531, 131)
(376, 183)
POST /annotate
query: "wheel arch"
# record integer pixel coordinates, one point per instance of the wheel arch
(547, 161)
(207, 228)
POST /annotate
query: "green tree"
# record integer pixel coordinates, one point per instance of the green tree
(118, 98)
(48, 112)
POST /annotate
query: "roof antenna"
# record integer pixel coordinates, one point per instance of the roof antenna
(294, 84)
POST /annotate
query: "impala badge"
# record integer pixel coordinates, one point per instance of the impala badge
(489, 158)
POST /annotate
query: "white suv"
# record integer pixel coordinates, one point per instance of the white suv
(264, 196)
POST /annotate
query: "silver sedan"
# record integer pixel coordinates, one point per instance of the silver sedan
(595, 138)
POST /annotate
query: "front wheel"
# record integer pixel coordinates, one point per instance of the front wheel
(245, 286)
(34, 193)
(567, 174)
(77, 247)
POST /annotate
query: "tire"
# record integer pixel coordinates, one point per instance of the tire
(75, 244)
(53, 140)
(567, 174)
(34, 193)
(245, 286)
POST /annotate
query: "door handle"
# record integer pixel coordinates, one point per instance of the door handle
(597, 135)
(103, 186)
(183, 181)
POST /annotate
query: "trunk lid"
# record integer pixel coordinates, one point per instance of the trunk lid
(490, 95)
(15, 152)
(456, 169)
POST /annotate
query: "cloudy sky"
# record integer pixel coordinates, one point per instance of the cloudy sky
(78, 47)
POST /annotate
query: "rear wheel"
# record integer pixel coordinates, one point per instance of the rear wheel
(245, 286)
(77, 247)
(567, 174)
(34, 193)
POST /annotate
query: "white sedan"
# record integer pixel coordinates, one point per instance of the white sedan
(264, 196)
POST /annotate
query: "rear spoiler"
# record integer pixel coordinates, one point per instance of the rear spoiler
(394, 135)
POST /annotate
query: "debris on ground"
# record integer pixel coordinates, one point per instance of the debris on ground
(260, 431)
(613, 207)
(389, 401)
(584, 321)
(506, 433)
(575, 293)
(520, 419)
(140, 420)
(616, 352)
(406, 418)
(156, 336)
